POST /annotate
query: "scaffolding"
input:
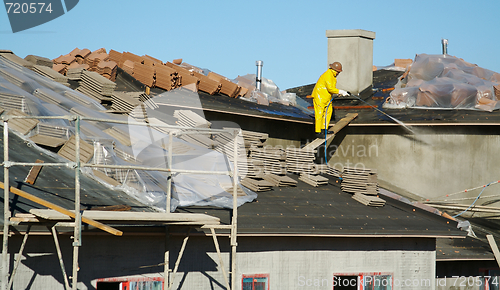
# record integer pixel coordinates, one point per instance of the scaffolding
(7, 281)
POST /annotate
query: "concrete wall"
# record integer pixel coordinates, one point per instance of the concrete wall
(434, 162)
(354, 49)
(292, 263)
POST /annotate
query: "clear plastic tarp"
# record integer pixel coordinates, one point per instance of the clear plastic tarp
(130, 144)
(445, 82)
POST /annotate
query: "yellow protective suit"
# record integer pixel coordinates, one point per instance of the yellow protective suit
(322, 94)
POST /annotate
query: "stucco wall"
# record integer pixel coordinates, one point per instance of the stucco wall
(292, 263)
(431, 163)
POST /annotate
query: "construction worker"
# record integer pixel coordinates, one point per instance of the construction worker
(323, 92)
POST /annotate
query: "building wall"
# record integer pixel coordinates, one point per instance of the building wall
(433, 162)
(292, 263)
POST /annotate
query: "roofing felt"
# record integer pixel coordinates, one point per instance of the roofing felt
(300, 210)
(463, 249)
(327, 211)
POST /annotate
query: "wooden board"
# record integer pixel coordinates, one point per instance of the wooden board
(62, 211)
(131, 216)
(335, 129)
(33, 174)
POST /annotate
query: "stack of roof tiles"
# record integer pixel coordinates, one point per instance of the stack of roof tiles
(15, 60)
(257, 185)
(224, 143)
(74, 71)
(13, 102)
(81, 54)
(96, 86)
(97, 61)
(187, 118)
(185, 76)
(207, 84)
(313, 180)
(107, 69)
(39, 60)
(227, 87)
(273, 159)
(153, 72)
(167, 78)
(254, 139)
(357, 180)
(300, 160)
(125, 101)
(50, 73)
(47, 95)
(368, 200)
(326, 169)
(144, 73)
(280, 180)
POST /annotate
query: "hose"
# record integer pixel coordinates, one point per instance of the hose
(470, 206)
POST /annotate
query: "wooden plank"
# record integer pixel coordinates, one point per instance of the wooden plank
(335, 129)
(62, 210)
(130, 216)
(33, 174)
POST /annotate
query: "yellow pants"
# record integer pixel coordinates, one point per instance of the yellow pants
(319, 114)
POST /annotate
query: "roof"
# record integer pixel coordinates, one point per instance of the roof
(301, 210)
(383, 81)
(463, 249)
(327, 211)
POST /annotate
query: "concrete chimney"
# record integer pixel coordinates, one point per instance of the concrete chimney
(354, 50)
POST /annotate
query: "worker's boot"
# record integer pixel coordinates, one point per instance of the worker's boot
(324, 132)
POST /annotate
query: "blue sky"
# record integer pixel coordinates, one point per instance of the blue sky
(227, 37)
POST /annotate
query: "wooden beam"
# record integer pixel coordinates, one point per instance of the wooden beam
(494, 248)
(335, 129)
(62, 210)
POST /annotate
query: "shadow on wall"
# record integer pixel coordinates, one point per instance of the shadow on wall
(109, 257)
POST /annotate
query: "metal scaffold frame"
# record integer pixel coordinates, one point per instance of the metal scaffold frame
(7, 281)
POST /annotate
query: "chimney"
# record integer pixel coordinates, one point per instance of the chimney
(354, 50)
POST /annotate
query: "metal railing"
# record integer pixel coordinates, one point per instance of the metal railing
(76, 165)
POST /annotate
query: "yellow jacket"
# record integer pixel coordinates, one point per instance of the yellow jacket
(322, 94)
(325, 87)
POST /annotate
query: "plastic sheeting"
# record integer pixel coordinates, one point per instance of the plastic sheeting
(124, 144)
(445, 82)
(269, 91)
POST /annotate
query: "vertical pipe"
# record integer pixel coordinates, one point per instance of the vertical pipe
(78, 216)
(16, 265)
(444, 42)
(258, 79)
(234, 224)
(6, 212)
(169, 181)
(59, 255)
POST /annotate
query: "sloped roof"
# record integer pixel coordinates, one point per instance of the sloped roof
(383, 83)
(327, 211)
(56, 184)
